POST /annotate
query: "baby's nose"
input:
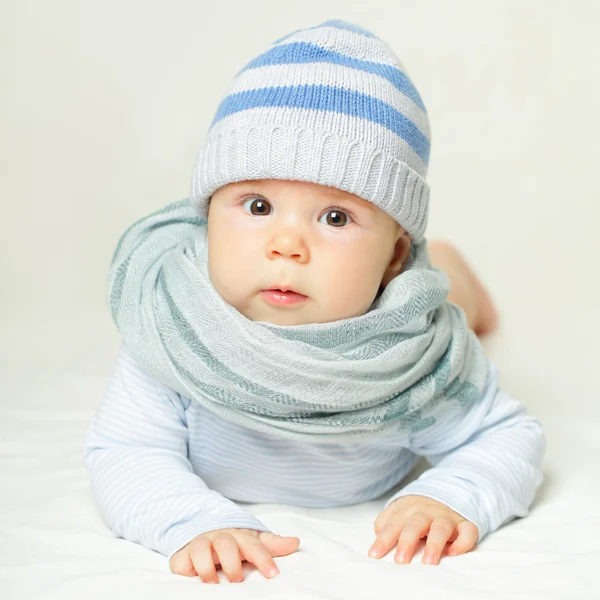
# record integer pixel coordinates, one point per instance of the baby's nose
(289, 244)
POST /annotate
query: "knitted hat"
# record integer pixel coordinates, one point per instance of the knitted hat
(331, 105)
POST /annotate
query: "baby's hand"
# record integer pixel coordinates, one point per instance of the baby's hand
(229, 547)
(410, 518)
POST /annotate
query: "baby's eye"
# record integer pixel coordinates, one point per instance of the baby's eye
(336, 218)
(258, 206)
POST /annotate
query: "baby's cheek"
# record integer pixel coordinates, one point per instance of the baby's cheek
(352, 291)
(224, 274)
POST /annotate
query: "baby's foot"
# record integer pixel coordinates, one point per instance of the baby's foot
(467, 290)
(487, 321)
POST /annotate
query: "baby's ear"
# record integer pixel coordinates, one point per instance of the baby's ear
(401, 252)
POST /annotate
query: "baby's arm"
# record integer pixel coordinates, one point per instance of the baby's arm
(486, 460)
(136, 454)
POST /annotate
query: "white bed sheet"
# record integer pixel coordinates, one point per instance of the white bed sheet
(56, 546)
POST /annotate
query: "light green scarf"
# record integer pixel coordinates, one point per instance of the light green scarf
(391, 369)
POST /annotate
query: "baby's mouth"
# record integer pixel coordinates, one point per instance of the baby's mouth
(279, 297)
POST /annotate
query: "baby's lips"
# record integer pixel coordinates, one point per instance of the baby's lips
(284, 289)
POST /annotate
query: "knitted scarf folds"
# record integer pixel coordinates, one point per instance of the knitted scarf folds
(394, 368)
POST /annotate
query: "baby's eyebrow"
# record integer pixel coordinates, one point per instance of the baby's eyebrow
(360, 201)
(332, 194)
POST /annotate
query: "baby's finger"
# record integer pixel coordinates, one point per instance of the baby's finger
(439, 533)
(181, 564)
(466, 539)
(386, 538)
(382, 518)
(279, 545)
(416, 527)
(201, 555)
(255, 552)
(228, 552)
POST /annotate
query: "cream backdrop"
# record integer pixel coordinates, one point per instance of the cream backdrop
(103, 106)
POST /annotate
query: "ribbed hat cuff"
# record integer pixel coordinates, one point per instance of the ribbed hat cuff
(297, 153)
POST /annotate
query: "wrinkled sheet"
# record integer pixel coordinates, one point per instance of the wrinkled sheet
(56, 546)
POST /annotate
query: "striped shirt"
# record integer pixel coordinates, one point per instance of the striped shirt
(164, 469)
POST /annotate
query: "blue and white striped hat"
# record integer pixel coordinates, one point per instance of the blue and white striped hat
(331, 105)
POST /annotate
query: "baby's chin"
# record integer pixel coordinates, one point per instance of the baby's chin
(288, 317)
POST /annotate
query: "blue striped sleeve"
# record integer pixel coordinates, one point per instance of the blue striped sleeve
(486, 461)
(136, 452)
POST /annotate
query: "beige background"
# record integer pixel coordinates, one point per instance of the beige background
(104, 105)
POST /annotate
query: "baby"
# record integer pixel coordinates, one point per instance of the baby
(289, 335)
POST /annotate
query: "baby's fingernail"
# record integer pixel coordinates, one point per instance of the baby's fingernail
(272, 571)
(373, 552)
(400, 557)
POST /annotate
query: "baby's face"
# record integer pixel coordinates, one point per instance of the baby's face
(331, 247)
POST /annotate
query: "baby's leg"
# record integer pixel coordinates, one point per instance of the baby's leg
(466, 289)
